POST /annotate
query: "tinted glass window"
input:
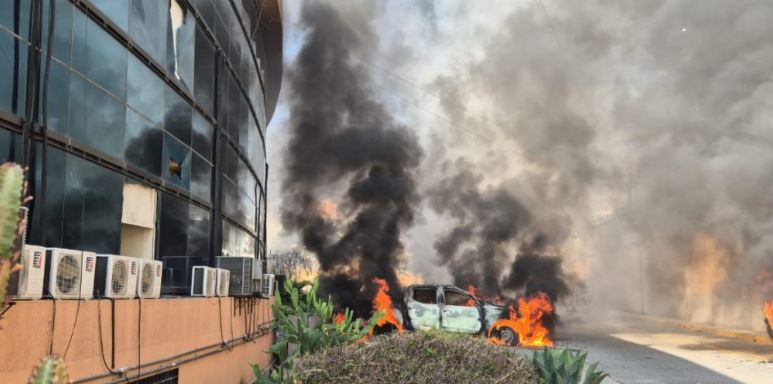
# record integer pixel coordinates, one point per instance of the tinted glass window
(198, 232)
(425, 295)
(201, 178)
(15, 15)
(102, 209)
(54, 198)
(237, 242)
(145, 91)
(149, 27)
(10, 146)
(204, 71)
(177, 118)
(13, 74)
(143, 148)
(116, 10)
(79, 24)
(105, 121)
(58, 97)
(202, 136)
(176, 162)
(456, 298)
(206, 9)
(62, 29)
(173, 227)
(105, 59)
(77, 115)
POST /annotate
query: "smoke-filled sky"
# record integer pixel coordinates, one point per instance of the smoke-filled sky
(633, 139)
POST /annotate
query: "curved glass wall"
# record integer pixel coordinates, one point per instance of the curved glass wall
(166, 94)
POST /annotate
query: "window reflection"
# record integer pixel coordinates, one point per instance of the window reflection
(177, 119)
(143, 148)
(58, 97)
(98, 56)
(201, 178)
(62, 29)
(237, 242)
(15, 15)
(183, 31)
(204, 71)
(149, 27)
(13, 73)
(116, 10)
(105, 121)
(145, 91)
(198, 232)
(202, 136)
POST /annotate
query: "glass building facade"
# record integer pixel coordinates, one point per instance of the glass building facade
(152, 136)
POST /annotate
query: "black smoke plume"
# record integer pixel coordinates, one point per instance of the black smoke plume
(492, 225)
(346, 148)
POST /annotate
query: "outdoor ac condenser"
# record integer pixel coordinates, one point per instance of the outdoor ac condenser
(223, 282)
(267, 288)
(28, 283)
(149, 279)
(240, 269)
(116, 276)
(203, 281)
(70, 273)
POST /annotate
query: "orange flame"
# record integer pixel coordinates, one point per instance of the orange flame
(339, 317)
(768, 309)
(531, 332)
(475, 292)
(382, 302)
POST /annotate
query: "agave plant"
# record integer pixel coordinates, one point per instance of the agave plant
(562, 366)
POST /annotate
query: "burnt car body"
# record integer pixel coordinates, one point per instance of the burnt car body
(447, 307)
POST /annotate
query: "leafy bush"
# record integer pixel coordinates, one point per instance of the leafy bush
(307, 321)
(416, 357)
(562, 366)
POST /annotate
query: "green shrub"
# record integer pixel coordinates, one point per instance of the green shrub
(307, 322)
(562, 366)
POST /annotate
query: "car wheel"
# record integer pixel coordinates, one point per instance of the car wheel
(506, 335)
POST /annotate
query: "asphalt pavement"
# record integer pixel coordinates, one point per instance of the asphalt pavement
(640, 351)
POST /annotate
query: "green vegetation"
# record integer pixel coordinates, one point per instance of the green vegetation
(50, 370)
(562, 366)
(306, 324)
(416, 357)
(11, 192)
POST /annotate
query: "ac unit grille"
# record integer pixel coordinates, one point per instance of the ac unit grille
(68, 274)
(119, 277)
(148, 280)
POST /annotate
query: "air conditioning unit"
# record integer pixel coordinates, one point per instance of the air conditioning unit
(70, 273)
(240, 269)
(28, 283)
(149, 279)
(203, 281)
(257, 277)
(267, 286)
(116, 276)
(223, 282)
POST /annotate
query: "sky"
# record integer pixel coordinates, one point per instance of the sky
(635, 136)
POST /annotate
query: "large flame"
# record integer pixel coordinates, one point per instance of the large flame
(768, 309)
(527, 321)
(382, 302)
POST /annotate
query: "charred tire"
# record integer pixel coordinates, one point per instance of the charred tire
(507, 335)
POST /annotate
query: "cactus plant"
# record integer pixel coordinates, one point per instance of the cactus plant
(12, 188)
(50, 370)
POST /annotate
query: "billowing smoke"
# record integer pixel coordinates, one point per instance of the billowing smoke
(495, 243)
(348, 188)
(645, 124)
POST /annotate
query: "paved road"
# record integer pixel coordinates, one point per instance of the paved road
(633, 351)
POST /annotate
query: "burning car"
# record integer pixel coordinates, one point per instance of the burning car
(453, 309)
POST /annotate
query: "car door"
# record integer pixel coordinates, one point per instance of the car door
(457, 314)
(423, 308)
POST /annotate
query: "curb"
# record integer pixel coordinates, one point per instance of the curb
(752, 337)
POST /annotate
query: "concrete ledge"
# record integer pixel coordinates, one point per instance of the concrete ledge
(752, 337)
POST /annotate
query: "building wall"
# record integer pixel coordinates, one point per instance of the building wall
(166, 94)
(168, 329)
